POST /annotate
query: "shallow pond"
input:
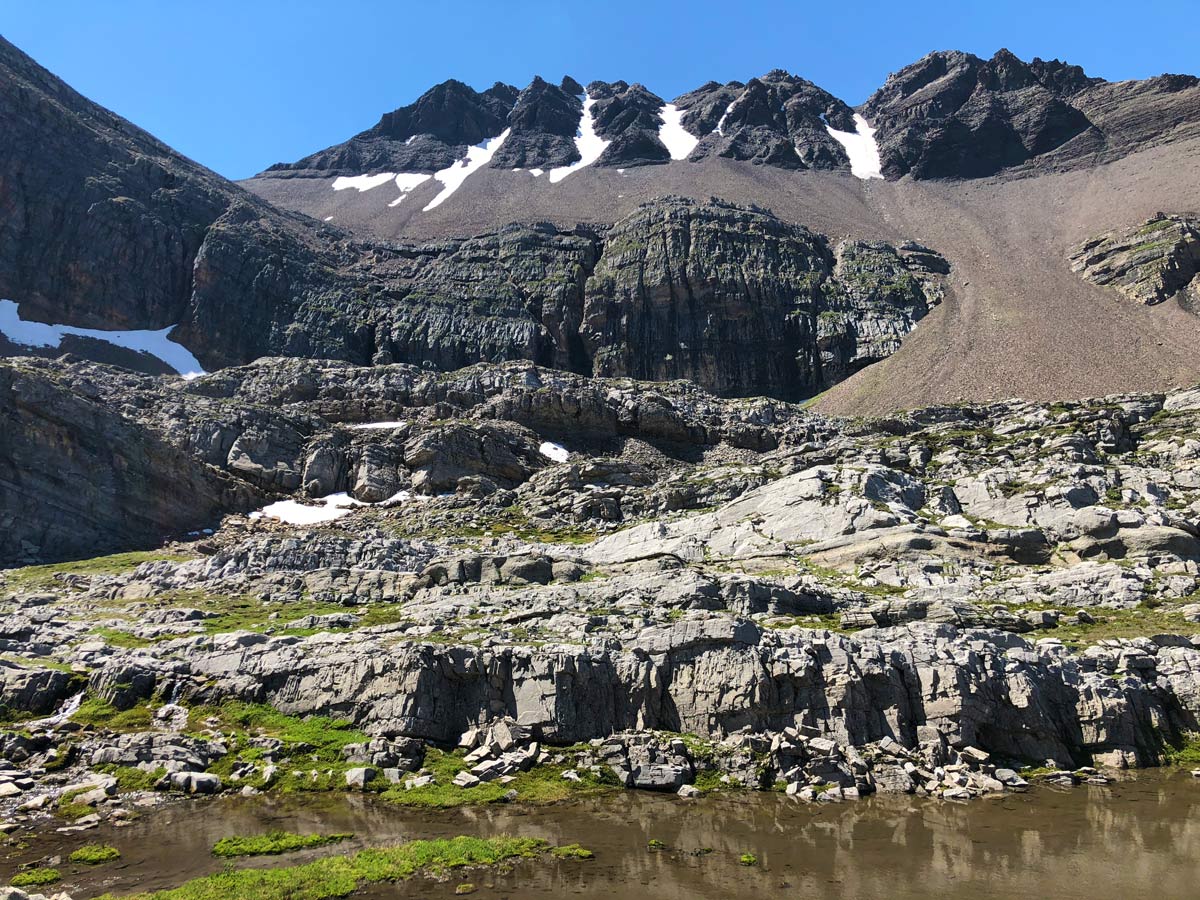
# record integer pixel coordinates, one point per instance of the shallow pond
(1133, 838)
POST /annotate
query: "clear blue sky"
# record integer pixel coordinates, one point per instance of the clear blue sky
(240, 85)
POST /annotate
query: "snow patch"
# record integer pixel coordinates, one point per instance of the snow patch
(69, 707)
(678, 140)
(293, 512)
(156, 343)
(589, 144)
(362, 182)
(537, 173)
(407, 182)
(453, 177)
(720, 129)
(556, 452)
(328, 509)
(365, 426)
(861, 147)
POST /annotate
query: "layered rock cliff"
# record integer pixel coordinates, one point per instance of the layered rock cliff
(858, 602)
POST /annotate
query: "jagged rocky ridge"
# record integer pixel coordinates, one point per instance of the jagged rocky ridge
(918, 603)
(115, 230)
(948, 115)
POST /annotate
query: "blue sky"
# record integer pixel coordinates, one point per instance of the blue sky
(240, 85)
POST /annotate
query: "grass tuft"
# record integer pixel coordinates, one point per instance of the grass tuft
(94, 854)
(35, 877)
(274, 843)
(340, 876)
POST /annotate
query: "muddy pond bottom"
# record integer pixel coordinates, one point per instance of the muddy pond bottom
(1137, 837)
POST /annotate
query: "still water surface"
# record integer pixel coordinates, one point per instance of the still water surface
(1138, 838)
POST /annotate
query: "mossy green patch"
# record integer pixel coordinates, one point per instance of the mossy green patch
(34, 577)
(543, 784)
(131, 778)
(1141, 621)
(94, 854)
(35, 877)
(310, 758)
(115, 637)
(573, 851)
(340, 876)
(274, 843)
(100, 713)
(1184, 752)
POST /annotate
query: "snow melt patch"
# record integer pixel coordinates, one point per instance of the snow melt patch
(69, 707)
(556, 452)
(720, 129)
(861, 147)
(328, 509)
(362, 182)
(366, 426)
(408, 182)
(589, 144)
(156, 343)
(453, 177)
(537, 173)
(678, 140)
(293, 512)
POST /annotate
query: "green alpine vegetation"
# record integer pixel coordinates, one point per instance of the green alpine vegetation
(340, 876)
(94, 854)
(274, 843)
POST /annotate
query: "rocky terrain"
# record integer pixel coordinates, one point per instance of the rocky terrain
(948, 115)
(606, 252)
(1156, 261)
(535, 577)
(476, 506)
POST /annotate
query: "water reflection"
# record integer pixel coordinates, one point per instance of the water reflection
(1091, 842)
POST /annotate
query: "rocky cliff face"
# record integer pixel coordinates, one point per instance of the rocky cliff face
(948, 115)
(99, 222)
(861, 602)
(77, 478)
(1149, 263)
(740, 302)
(954, 115)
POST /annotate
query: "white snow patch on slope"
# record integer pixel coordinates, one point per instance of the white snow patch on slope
(37, 334)
(678, 140)
(295, 513)
(537, 173)
(861, 148)
(589, 144)
(556, 452)
(362, 182)
(361, 426)
(327, 509)
(453, 177)
(720, 129)
(407, 182)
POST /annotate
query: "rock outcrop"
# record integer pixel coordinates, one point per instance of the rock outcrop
(1155, 261)
(548, 569)
(78, 479)
(778, 120)
(954, 115)
(744, 304)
